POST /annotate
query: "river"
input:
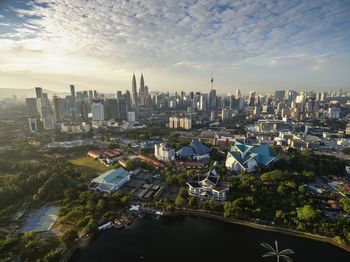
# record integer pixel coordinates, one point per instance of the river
(186, 238)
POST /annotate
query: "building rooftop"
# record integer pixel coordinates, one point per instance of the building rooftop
(113, 176)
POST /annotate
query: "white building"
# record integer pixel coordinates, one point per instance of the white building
(98, 112)
(334, 112)
(131, 117)
(164, 153)
(75, 127)
(32, 125)
(226, 114)
(110, 181)
(208, 188)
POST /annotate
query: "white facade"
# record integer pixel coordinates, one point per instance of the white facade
(131, 117)
(32, 125)
(233, 165)
(226, 114)
(334, 112)
(164, 153)
(98, 113)
(208, 188)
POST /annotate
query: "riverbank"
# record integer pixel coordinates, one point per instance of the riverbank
(203, 213)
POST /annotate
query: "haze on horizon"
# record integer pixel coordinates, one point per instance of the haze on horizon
(251, 45)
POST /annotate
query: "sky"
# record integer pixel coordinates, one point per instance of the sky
(177, 45)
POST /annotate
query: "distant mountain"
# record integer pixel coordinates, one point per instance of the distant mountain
(24, 93)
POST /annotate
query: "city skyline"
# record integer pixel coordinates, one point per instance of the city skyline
(248, 45)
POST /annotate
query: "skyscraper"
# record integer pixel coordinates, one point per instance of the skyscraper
(31, 105)
(142, 91)
(56, 101)
(32, 125)
(134, 92)
(72, 91)
(212, 96)
(39, 92)
(97, 110)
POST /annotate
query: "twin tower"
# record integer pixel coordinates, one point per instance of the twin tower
(141, 98)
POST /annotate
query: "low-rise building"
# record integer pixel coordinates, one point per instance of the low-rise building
(272, 126)
(247, 158)
(226, 140)
(208, 188)
(164, 153)
(196, 150)
(110, 181)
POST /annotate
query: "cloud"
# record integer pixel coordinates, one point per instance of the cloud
(79, 36)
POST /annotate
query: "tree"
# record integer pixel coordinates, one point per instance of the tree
(192, 201)
(69, 237)
(179, 201)
(90, 227)
(346, 204)
(306, 213)
(276, 253)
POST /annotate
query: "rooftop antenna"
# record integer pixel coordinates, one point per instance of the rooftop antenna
(211, 81)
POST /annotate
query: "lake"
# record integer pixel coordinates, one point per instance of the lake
(185, 238)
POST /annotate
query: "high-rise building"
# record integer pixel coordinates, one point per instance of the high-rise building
(98, 113)
(251, 99)
(32, 125)
(180, 122)
(84, 111)
(57, 108)
(131, 117)
(203, 102)
(31, 105)
(238, 93)
(111, 108)
(127, 98)
(121, 109)
(212, 96)
(39, 92)
(134, 93)
(119, 95)
(72, 91)
(142, 91)
(226, 114)
(334, 112)
(280, 94)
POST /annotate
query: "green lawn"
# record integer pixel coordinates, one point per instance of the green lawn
(6, 176)
(91, 166)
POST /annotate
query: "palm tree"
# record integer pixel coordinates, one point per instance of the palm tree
(276, 253)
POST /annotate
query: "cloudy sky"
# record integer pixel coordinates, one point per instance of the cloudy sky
(248, 44)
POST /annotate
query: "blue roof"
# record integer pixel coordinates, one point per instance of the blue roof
(186, 151)
(242, 147)
(199, 148)
(195, 148)
(264, 150)
(263, 154)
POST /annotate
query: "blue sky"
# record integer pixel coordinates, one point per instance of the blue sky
(248, 44)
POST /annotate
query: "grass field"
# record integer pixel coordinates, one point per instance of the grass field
(5, 177)
(89, 165)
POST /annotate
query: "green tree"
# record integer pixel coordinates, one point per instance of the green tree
(306, 213)
(179, 201)
(346, 204)
(69, 237)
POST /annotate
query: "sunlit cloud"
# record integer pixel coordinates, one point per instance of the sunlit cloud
(85, 38)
